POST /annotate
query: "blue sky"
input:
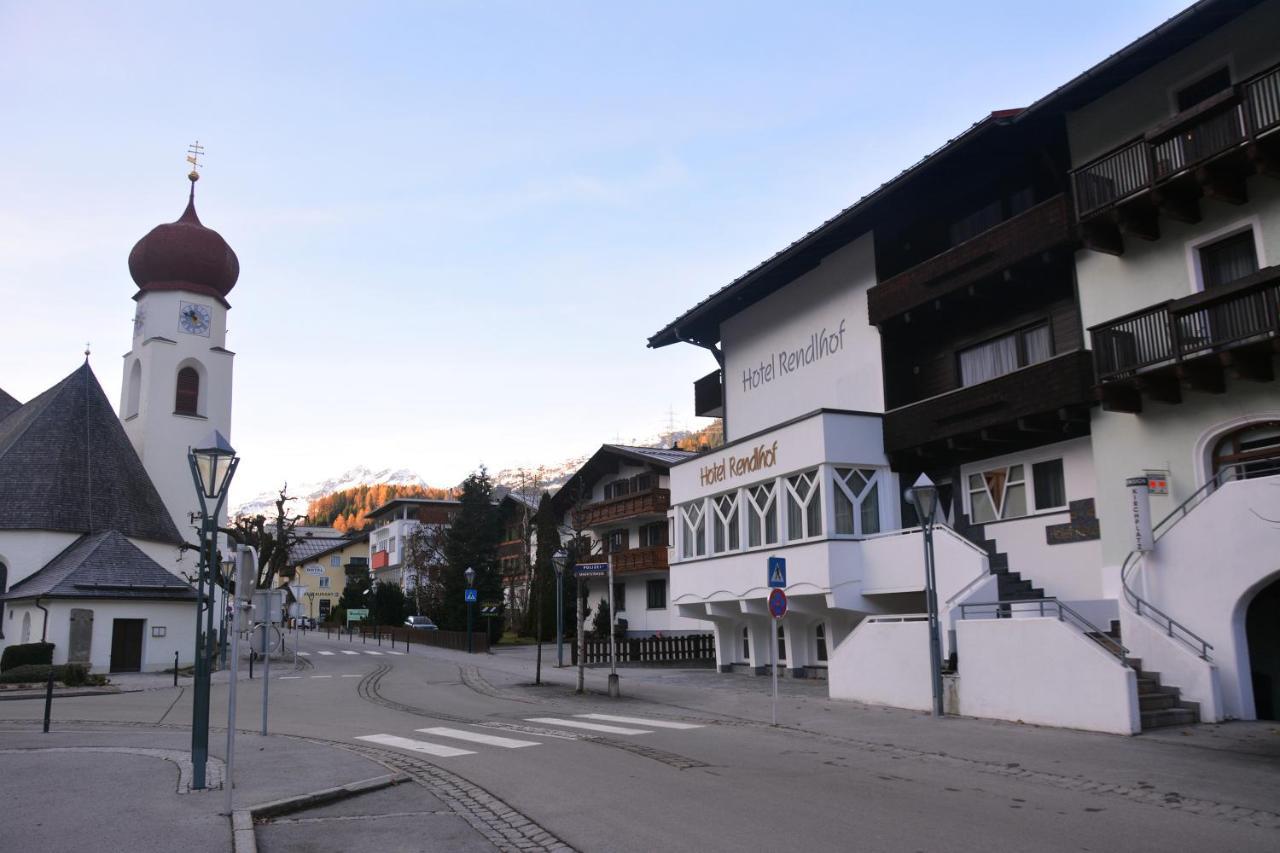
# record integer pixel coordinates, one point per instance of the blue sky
(458, 222)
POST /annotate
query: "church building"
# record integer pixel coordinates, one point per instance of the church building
(96, 534)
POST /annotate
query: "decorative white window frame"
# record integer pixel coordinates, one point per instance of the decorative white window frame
(691, 534)
(755, 512)
(722, 521)
(841, 487)
(815, 476)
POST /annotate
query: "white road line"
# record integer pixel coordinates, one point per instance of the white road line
(289, 677)
(330, 654)
(639, 721)
(372, 653)
(322, 676)
(595, 727)
(395, 653)
(476, 737)
(350, 653)
(353, 675)
(416, 745)
(305, 654)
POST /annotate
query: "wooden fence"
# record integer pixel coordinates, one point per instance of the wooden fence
(690, 650)
(391, 637)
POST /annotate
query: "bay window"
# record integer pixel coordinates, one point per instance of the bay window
(804, 505)
(693, 527)
(724, 524)
(762, 514)
(857, 501)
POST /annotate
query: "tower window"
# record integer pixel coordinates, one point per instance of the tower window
(187, 399)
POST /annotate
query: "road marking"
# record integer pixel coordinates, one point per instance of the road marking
(594, 727)
(353, 675)
(639, 721)
(395, 653)
(476, 737)
(330, 654)
(289, 677)
(372, 653)
(322, 676)
(305, 654)
(416, 745)
(350, 653)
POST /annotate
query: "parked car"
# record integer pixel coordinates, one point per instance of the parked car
(305, 623)
(421, 623)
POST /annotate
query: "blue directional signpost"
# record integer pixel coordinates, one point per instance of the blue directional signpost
(590, 570)
(777, 578)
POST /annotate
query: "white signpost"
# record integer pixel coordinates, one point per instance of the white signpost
(1140, 513)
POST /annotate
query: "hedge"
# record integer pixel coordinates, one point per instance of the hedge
(26, 654)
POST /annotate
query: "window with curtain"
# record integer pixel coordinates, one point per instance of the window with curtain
(804, 506)
(1228, 259)
(187, 396)
(997, 494)
(693, 525)
(1050, 486)
(656, 593)
(1005, 354)
(619, 597)
(724, 525)
(762, 515)
(857, 499)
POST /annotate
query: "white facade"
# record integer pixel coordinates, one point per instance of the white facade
(168, 628)
(165, 341)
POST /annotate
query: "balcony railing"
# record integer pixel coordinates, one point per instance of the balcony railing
(1238, 115)
(651, 502)
(1243, 312)
(652, 558)
(1027, 235)
(380, 559)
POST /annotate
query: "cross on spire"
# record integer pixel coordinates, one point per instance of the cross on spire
(194, 152)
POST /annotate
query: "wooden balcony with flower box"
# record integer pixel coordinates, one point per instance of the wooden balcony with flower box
(1209, 149)
(651, 558)
(1005, 414)
(1191, 343)
(1020, 239)
(653, 501)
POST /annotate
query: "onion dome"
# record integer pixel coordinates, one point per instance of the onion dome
(184, 255)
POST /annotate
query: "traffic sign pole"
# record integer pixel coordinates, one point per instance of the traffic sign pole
(777, 579)
(614, 690)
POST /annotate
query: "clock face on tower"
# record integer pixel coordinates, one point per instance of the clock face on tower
(194, 318)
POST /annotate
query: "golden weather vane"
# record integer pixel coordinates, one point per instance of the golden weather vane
(194, 152)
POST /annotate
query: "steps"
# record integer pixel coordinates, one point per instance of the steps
(1159, 705)
(1010, 586)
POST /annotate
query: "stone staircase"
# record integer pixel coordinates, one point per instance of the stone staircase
(1159, 705)
(1010, 586)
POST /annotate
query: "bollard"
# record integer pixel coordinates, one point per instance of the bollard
(252, 655)
(363, 636)
(175, 669)
(379, 635)
(48, 700)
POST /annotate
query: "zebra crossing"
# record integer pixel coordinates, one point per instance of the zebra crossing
(346, 652)
(573, 728)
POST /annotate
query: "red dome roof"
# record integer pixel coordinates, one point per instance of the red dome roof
(184, 255)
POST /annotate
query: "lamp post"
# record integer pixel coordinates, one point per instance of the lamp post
(559, 559)
(470, 575)
(212, 468)
(924, 496)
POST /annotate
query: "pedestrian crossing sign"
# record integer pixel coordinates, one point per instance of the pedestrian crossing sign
(778, 572)
(471, 595)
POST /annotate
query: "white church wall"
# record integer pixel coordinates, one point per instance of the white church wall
(27, 551)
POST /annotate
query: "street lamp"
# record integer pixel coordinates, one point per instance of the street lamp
(559, 559)
(212, 468)
(924, 496)
(470, 575)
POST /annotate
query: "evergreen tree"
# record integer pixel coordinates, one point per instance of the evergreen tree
(355, 593)
(387, 604)
(544, 571)
(472, 542)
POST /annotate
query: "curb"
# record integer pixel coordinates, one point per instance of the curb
(17, 695)
(242, 820)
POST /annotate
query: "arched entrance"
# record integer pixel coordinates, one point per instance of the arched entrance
(1262, 628)
(1252, 451)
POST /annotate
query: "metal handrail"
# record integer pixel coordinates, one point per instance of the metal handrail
(1141, 606)
(1006, 609)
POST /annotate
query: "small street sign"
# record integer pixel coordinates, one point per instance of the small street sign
(777, 572)
(591, 570)
(357, 614)
(472, 595)
(778, 603)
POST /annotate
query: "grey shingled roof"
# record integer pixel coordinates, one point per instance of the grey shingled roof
(66, 464)
(8, 405)
(663, 455)
(102, 565)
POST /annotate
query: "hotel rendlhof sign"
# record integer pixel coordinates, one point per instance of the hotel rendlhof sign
(762, 457)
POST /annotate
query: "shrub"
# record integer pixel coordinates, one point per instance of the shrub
(75, 675)
(71, 674)
(26, 654)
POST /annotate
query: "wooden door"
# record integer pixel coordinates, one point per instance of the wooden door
(126, 645)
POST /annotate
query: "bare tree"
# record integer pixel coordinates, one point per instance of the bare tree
(273, 538)
(423, 556)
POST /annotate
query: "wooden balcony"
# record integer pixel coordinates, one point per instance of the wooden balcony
(651, 502)
(1207, 150)
(511, 548)
(708, 395)
(1028, 235)
(1190, 343)
(1044, 402)
(652, 558)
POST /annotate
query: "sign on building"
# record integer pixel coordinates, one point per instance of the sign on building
(1157, 482)
(1140, 514)
(591, 570)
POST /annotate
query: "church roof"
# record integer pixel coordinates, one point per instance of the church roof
(66, 464)
(185, 255)
(8, 405)
(102, 565)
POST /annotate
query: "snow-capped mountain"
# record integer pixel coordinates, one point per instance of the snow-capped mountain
(302, 495)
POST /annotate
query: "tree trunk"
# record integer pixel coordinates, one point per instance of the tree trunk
(582, 641)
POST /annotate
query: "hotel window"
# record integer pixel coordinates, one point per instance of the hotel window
(996, 494)
(857, 501)
(1005, 354)
(1228, 259)
(1050, 485)
(1203, 89)
(619, 540)
(335, 560)
(970, 226)
(746, 644)
(656, 594)
(693, 526)
(762, 515)
(724, 524)
(619, 597)
(652, 535)
(820, 635)
(324, 581)
(804, 506)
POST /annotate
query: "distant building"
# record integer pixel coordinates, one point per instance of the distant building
(393, 523)
(319, 566)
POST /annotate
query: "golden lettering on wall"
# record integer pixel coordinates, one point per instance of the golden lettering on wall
(762, 457)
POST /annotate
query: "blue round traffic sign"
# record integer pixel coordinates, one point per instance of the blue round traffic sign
(778, 603)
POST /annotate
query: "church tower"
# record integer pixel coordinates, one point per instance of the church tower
(177, 375)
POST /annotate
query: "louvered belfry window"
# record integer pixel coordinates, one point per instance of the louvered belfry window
(188, 393)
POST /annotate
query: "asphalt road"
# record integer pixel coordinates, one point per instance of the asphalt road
(686, 760)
